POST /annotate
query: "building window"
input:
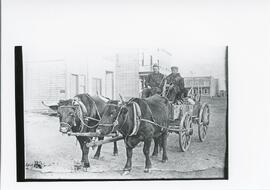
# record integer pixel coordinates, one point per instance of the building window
(109, 84)
(206, 91)
(77, 84)
(96, 85)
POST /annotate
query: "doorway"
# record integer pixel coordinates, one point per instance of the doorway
(74, 85)
(96, 86)
(109, 85)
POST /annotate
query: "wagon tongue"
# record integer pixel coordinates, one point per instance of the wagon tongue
(87, 134)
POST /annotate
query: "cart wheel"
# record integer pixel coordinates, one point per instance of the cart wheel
(185, 132)
(204, 118)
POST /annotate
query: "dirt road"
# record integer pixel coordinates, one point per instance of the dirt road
(43, 142)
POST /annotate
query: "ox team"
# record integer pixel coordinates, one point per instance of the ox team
(86, 113)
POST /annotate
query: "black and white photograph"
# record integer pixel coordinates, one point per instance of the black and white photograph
(134, 94)
(132, 113)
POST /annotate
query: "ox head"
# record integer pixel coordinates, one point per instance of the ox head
(113, 116)
(108, 121)
(67, 111)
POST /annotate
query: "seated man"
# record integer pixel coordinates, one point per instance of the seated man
(176, 83)
(153, 82)
(175, 77)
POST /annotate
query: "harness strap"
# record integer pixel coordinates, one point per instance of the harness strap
(137, 117)
(115, 123)
(79, 112)
(91, 118)
(149, 121)
(77, 101)
(95, 105)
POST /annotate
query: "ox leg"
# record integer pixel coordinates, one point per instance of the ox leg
(128, 165)
(97, 154)
(155, 152)
(115, 149)
(85, 155)
(146, 150)
(85, 151)
(160, 143)
(81, 146)
(164, 146)
(131, 142)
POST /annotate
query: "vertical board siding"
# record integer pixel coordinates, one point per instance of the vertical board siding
(127, 75)
(45, 81)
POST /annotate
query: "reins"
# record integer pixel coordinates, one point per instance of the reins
(149, 121)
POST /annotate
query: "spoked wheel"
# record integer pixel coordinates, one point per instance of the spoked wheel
(204, 119)
(185, 132)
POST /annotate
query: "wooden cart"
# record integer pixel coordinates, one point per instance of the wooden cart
(184, 115)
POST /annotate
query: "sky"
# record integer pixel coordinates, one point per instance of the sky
(201, 61)
(53, 29)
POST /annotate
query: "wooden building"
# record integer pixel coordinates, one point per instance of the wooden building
(50, 80)
(55, 79)
(205, 85)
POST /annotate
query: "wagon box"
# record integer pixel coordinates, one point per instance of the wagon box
(175, 111)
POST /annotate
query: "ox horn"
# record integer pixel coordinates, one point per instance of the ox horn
(53, 107)
(121, 98)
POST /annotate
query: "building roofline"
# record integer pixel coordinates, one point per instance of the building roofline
(165, 51)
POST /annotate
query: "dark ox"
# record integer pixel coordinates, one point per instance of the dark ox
(147, 92)
(121, 119)
(71, 114)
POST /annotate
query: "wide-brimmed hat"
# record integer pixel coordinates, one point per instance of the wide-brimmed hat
(174, 67)
(155, 65)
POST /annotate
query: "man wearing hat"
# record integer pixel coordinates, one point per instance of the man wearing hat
(175, 79)
(153, 80)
